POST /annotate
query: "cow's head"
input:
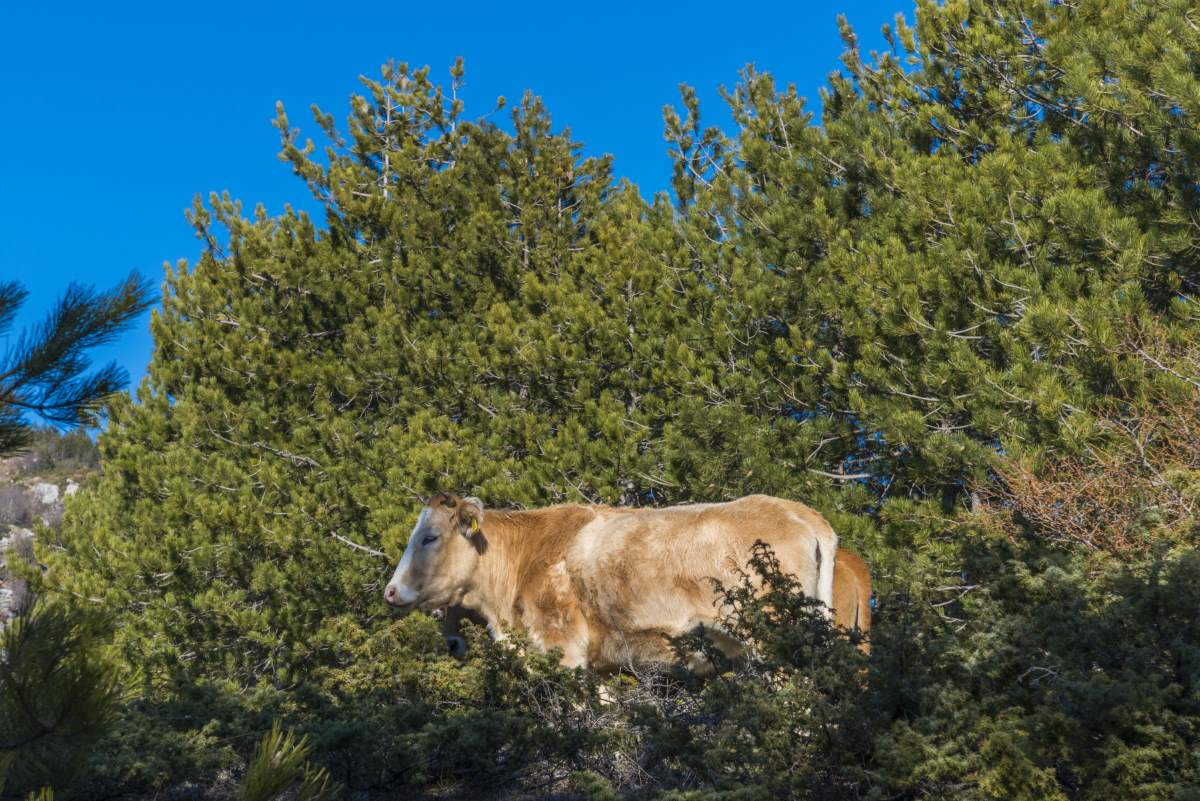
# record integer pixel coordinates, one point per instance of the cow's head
(441, 554)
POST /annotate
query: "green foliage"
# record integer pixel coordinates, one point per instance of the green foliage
(525, 716)
(58, 692)
(1068, 675)
(399, 714)
(594, 787)
(191, 731)
(278, 763)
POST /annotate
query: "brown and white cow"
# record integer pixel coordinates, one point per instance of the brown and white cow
(851, 604)
(609, 586)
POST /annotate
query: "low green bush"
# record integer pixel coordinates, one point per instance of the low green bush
(58, 694)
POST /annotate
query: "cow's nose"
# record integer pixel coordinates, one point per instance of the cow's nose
(400, 596)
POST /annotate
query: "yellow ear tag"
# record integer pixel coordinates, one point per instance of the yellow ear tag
(474, 525)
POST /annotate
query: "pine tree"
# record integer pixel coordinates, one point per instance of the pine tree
(58, 693)
(985, 249)
(57, 687)
(481, 310)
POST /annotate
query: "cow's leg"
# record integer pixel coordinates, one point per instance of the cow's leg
(701, 665)
(572, 637)
(452, 631)
(727, 644)
(565, 630)
(575, 656)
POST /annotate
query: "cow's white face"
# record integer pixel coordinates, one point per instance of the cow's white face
(441, 555)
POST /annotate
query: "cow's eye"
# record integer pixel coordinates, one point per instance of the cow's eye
(429, 539)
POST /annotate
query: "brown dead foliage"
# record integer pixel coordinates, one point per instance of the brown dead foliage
(1137, 484)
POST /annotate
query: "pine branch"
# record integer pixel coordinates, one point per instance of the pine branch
(47, 372)
(12, 295)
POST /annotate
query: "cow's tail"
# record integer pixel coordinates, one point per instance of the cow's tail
(825, 555)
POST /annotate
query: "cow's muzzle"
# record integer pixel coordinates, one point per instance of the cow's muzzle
(400, 597)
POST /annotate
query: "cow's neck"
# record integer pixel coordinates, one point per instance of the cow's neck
(512, 538)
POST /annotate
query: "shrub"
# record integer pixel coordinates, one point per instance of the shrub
(58, 693)
(53, 451)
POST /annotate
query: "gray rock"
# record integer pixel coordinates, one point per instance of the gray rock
(14, 594)
(45, 492)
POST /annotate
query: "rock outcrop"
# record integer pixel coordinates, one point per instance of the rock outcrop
(27, 500)
(16, 545)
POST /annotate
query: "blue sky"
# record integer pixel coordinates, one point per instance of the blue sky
(115, 115)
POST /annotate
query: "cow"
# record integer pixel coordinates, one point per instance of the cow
(851, 605)
(609, 586)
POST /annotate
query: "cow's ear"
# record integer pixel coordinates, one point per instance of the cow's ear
(470, 515)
